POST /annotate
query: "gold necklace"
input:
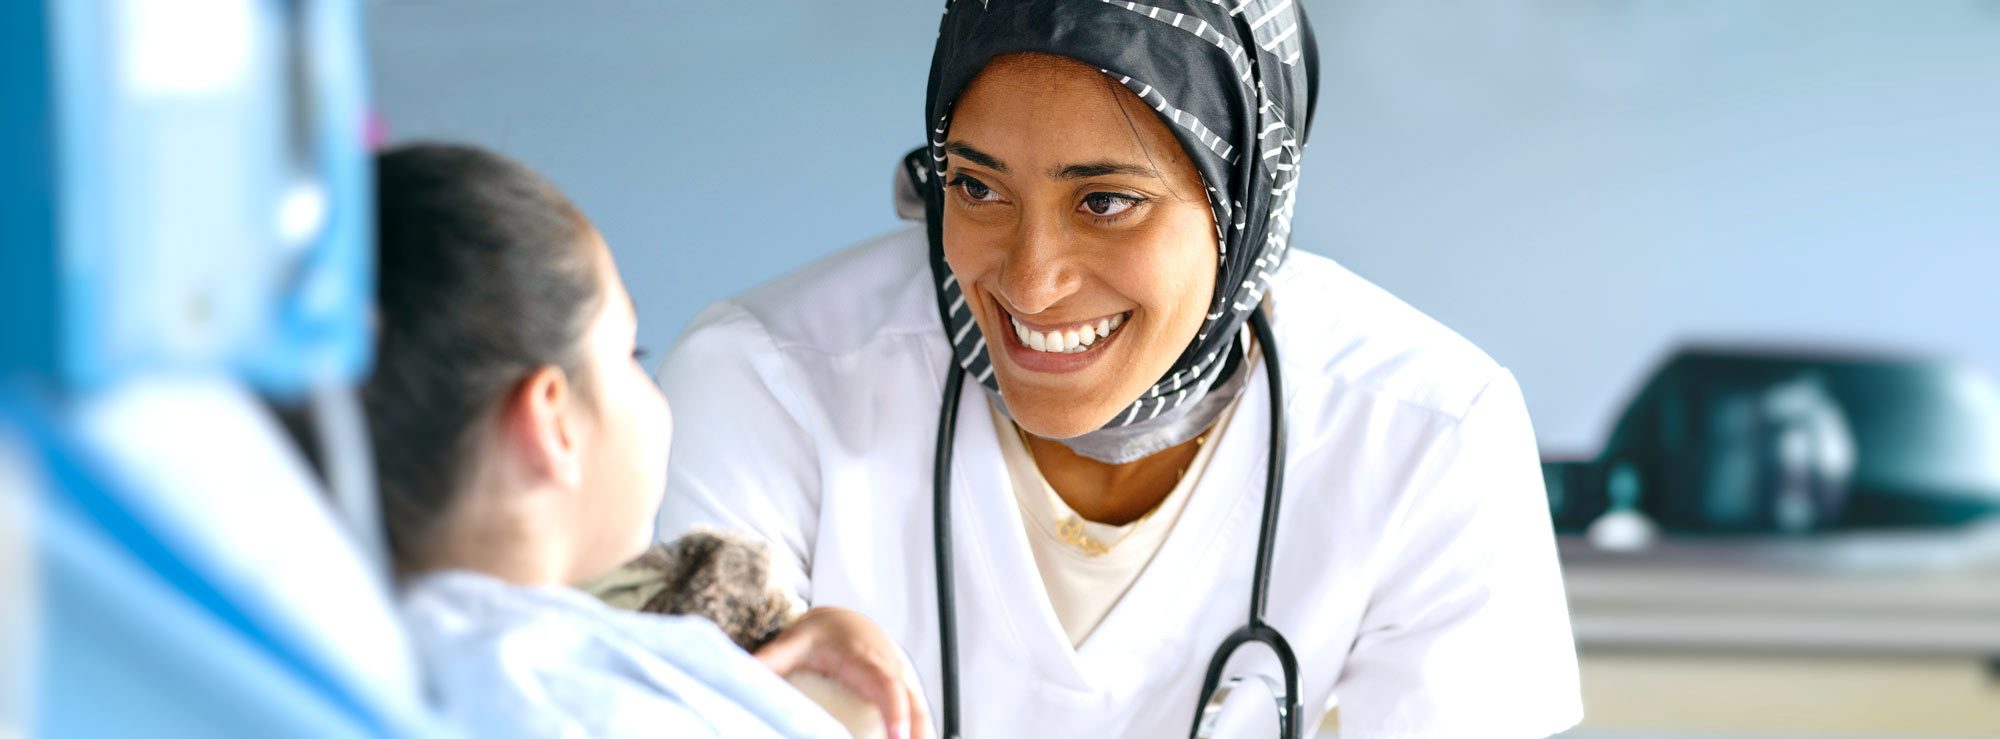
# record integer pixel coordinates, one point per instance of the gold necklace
(1070, 529)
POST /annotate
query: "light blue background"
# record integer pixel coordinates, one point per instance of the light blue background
(1577, 187)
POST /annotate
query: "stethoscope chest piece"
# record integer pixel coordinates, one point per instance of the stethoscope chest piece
(1241, 700)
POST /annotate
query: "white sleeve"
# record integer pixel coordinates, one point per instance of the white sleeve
(740, 460)
(1467, 631)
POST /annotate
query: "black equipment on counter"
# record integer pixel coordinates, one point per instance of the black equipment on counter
(1734, 441)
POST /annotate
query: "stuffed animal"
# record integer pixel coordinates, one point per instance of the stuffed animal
(726, 578)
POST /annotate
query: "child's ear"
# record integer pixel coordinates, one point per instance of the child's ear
(541, 428)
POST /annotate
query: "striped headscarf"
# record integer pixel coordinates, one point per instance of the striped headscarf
(1234, 80)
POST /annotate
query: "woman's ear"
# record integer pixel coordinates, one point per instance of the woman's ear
(542, 430)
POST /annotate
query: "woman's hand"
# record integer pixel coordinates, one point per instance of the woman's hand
(847, 647)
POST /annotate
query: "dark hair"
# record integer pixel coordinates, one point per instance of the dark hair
(484, 279)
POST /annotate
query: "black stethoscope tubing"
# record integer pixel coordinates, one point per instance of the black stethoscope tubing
(1256, 630)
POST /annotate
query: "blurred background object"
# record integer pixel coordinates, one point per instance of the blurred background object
(186, 232)
(17, 586)
(1764, 442)
(194, 164)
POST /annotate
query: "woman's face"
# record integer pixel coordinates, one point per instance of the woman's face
(628, 428)
(1081, 235)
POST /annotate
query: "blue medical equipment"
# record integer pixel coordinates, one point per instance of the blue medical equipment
(185, 215)
(186, 191)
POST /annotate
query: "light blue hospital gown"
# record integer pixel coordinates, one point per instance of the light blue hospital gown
(510, 661)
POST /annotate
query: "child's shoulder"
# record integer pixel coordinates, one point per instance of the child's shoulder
(556, 662)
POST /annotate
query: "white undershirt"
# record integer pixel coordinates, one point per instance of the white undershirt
(1082, 587)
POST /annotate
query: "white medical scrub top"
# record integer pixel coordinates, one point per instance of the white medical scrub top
(504, 660)
(1414, 574)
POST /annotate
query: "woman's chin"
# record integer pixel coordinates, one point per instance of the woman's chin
(1052, 419)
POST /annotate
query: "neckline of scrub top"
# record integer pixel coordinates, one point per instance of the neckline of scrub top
(1082, 586)
(1014, 449)
(1120, 541)
(1214, 542)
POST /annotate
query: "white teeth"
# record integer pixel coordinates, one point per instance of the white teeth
(1066, 341)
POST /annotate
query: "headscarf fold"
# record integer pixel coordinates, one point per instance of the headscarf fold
(1234, 81)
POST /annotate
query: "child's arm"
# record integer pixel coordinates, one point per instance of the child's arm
(845, 646)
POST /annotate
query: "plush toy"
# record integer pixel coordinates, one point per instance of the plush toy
(726, 578)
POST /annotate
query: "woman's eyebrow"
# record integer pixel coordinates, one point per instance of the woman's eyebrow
(1067, 172)
(1100, 169)
(976, 156)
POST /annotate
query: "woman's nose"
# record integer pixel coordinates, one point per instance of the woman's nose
(1038, 272)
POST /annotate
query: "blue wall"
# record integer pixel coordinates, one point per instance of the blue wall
(1575, 186)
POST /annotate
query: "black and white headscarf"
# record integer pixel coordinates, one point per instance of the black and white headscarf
(1234, 80)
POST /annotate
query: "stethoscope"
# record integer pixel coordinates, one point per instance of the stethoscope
(1214, 691)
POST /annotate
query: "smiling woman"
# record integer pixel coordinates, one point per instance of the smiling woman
(1063, 220)
(1107, 196)
(1079, 249)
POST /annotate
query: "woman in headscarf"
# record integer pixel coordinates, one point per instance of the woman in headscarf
(1176, 432)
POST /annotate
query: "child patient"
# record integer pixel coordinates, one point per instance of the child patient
(522, 450)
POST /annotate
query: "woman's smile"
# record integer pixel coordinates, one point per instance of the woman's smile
(1059, 346)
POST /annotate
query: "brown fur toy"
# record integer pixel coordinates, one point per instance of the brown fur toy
(726, 578)
(721, 577)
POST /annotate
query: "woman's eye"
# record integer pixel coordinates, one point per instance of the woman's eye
(974, 189)
(1108, 204)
